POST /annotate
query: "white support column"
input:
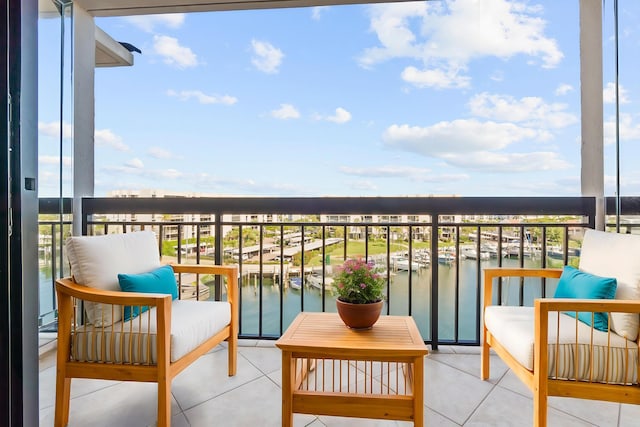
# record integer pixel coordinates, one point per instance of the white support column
(591, 86)
(84, 50)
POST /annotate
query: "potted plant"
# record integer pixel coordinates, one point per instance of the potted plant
(360, 293)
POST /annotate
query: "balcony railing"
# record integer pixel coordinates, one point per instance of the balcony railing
(287, 249)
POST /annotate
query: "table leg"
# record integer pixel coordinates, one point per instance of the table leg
(288, 374)
(418, 391)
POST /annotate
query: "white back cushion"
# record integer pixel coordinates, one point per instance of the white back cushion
(97, 260)
(615, 255)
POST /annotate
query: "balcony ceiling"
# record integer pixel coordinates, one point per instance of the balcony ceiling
(147, 7)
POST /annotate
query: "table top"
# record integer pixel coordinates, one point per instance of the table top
(391, 335)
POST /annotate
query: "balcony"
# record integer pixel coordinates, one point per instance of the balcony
(448, 314)
(204, 396)
(288, 237)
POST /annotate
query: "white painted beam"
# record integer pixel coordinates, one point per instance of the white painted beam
(591, 85)
(147, 7)
(84, 49)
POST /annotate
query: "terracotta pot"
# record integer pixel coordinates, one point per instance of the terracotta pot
(359, 316)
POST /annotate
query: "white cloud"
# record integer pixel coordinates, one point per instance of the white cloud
(54, 160)
(53, 129)
(430, 33)
(106, 138)
(149, 22)
(609, 94)
(531, 111)
(134, 163)
(341, 116)
(138, 170)
(286, 111)
(266, 57)
(160, 153)
(173, 53)
(385, 171)
(436, 78)
(629, 130)
(461, 136)
(403, 172)
(317, 11)
(507, 162)
(563, 89)
(167, 174)
(475, 145)
(497, 76)
(203, 98)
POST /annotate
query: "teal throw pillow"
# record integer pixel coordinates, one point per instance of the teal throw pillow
(159, 281)
(580, 285)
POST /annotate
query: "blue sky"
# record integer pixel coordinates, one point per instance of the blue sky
(460, 97)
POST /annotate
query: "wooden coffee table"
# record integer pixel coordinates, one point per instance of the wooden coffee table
(329, 369)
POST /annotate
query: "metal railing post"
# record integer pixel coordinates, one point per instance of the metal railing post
(218, 256)
(434, 280)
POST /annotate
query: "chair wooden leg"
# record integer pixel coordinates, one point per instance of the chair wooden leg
(164, 403)
(484, 359)
(539, 409)
(232, 344)
(63, 392)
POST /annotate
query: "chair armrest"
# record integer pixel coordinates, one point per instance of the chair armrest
(497, 272)
(68, 288)
(228, 271)
(593, 305)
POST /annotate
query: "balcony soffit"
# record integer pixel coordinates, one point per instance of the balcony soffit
(110, 53)
(147, 7)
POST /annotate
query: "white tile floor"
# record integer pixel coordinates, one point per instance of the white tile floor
(205, 396)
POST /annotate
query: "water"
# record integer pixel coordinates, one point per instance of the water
(45, 296)
(469, 300)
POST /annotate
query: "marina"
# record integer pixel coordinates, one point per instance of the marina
(400, 285)
(409, 282)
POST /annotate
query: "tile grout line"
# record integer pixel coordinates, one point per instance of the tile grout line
(493, 387)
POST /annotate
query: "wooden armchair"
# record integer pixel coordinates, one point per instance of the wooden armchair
(100, 335)
(554, 353)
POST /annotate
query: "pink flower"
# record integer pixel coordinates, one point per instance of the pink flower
(362, 285)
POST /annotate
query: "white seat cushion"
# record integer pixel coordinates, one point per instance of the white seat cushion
(97, 260)
(134, 341)
(615, 255)
(513, 328)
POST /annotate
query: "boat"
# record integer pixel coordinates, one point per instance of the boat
(492, 250)
(423, 257)
(380, 269)
(402, 264)
(446, 258)
(295, 283)
(513, 251)
(472, 253)
(555, 253)
(315, 280)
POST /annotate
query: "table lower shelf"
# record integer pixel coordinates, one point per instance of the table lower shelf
(388, 407)
(356, 388)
